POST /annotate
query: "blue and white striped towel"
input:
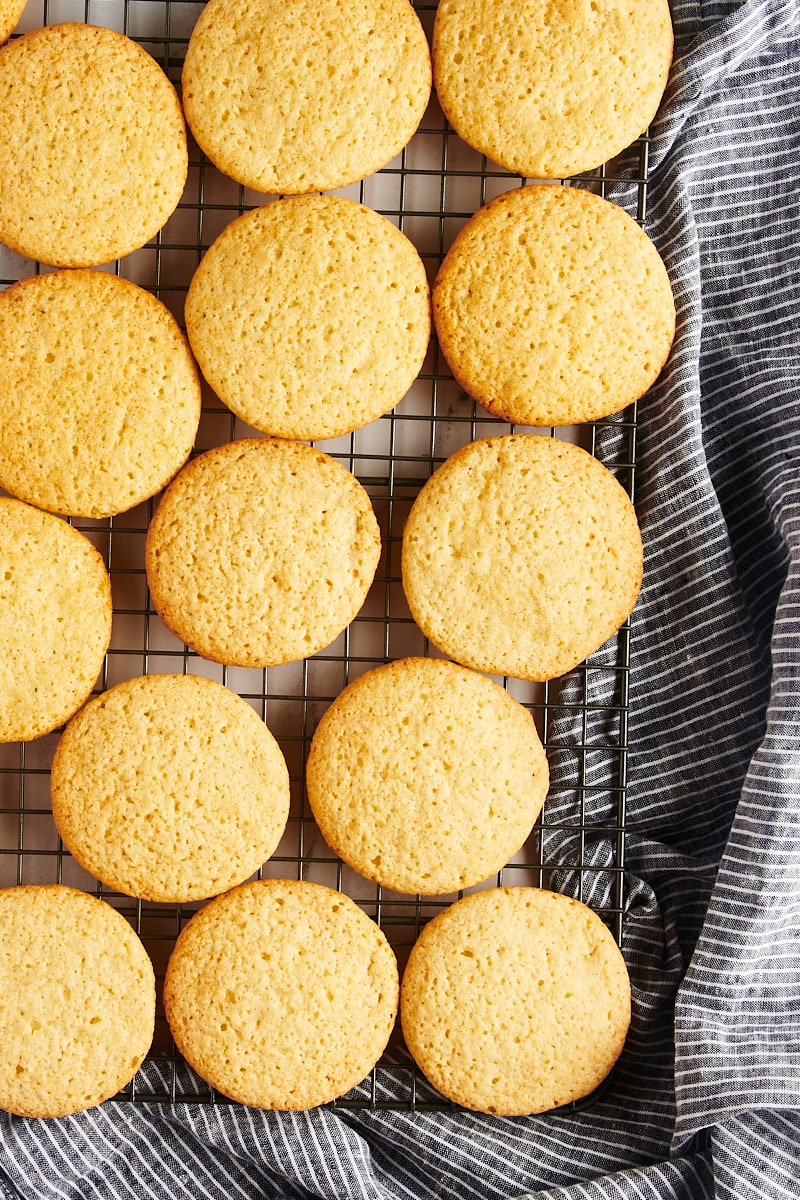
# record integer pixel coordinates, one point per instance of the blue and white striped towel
(706, 1100)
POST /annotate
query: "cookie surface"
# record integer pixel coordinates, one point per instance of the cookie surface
(426, 777)
(55, 612)
(169, 788)
(99, 393)
(585, 324)
(515, 1001)
(281, 994)
(521, 556)
(10, 13)
(310, 317)
(308, 96)
(78, 1008)
(551, 90)
(284, 566)
(112, 158)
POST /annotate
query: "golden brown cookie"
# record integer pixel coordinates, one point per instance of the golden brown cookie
(310, 317)
(78, 1008)
(169, 788)
(307, 96)
(10, 13)
(551, 90)
(515, 1001)
(281, 994)
(426, 777)
(261, 552)
(99, 393)
(553, 307)
(93, 157)
(55, 613)
(521, 556)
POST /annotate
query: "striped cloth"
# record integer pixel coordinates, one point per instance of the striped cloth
(706, 1100)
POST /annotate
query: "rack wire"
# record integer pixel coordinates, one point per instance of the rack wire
(578, 845)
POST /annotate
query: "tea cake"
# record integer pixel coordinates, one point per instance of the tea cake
(310, 317)
(261, 552)
(553, 307)
(281, 994)
(10, 13)
(78, 1009)
(550, 90)
(521, 556)
(426, 777)
(307, 96)
(55, 612)
(93, 158)
(169, 788)
(515, 1001)
(99, 393)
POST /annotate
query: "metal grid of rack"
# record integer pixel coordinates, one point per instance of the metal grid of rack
(578, 843)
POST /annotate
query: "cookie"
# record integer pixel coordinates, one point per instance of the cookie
(521, 556)
(110, 158)
(99, 393)
(281, 994)
(307, 96)
(169, 788)
(55, 613)
(10, 13)
(261, 552)
(515, 1001)
(426, 777)
(553, 307)
(310, 317)
(78, 1008)
(550, 90)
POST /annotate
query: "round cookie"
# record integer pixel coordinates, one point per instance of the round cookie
(169, 788)
(307, 96)
(261, 552)
(587, 324)
(281, 994)
(548, 93)
(55, 613)
(99, 393)
(310, 317)
(521, 556)
(111, 156)
(79, 999)
(10, 13)
(426, 777)
(515, 1001)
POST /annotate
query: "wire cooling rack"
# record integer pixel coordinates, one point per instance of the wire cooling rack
(578, 844)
